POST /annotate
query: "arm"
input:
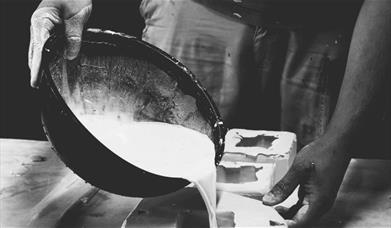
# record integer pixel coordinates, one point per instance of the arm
(368, 65)
(320, 166)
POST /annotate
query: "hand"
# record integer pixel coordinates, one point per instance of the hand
(73, 13)
(318, 169)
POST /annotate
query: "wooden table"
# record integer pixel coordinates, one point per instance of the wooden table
(37, 190)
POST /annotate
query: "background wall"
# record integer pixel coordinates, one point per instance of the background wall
(19, 106)
(19, 103)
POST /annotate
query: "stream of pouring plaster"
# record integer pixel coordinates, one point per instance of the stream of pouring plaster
(163, 149)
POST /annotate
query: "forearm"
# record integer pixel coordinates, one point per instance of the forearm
(367, 67)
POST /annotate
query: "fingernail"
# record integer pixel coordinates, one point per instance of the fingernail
(34, 85)
(268, 198)
(33, 82)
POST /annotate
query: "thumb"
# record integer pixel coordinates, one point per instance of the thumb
(43, 21)
(73, 31)
(283, 188)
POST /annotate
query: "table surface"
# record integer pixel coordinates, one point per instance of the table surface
(37, 190)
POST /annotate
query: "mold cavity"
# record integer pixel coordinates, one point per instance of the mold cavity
(238, 175)
(257, 141)
(241, 157)
(238, 157)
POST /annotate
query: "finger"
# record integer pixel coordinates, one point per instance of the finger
(282, 211)
(36, 55)
(42, 22)
(283, 188)
(30, 53)
(295, 214)
(310, 212)
(300, 217)
(290, 223)
(289, 213)
(73, 31)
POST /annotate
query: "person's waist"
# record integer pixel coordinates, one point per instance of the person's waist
(283, 13)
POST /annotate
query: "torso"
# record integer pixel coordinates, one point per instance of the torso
(287, 13)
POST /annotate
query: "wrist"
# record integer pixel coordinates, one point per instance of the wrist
(338, 141)
(338, 133)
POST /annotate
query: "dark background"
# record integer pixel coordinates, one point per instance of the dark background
(19, 106)
(19, 110)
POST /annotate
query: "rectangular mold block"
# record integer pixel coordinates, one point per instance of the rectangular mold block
(255, 160)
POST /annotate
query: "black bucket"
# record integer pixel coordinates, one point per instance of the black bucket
(128, 76)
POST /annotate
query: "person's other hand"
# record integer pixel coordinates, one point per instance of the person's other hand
(318, 169)
(72, 13)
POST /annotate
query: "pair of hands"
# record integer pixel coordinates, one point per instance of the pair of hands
(318, 168)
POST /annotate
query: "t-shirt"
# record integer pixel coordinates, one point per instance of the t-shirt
(289, 13)
(216, 48)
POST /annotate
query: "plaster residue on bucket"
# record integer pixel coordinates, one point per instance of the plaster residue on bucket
(127, 88)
